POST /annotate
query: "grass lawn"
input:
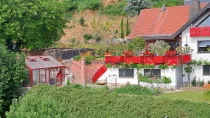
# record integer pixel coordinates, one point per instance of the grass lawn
(193, 96)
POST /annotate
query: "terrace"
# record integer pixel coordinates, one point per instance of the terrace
(170, 58)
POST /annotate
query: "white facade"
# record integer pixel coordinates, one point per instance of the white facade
(111, 76)
(193, 43)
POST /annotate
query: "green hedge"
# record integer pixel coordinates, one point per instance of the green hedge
(134, 89)
(69, 102)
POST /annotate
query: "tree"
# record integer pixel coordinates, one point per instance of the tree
(31, 24)
(137, 44)
(121, 29)
(134, 6)
(12, 74)
(188, 70)
(127, 28)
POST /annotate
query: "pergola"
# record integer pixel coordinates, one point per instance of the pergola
(44, 69)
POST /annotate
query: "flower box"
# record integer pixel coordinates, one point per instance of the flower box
(128, 59)
(159, 59)
(138, 59)
(148, 60)
(173, 60)
(108, 59)
(186, 58)
(117, 59)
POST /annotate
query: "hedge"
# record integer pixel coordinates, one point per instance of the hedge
(68, 102)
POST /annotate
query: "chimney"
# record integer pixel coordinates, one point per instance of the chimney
(194, 7)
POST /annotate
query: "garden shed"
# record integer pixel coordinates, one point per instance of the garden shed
(44, 69)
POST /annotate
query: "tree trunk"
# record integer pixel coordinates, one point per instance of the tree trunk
(188, 79)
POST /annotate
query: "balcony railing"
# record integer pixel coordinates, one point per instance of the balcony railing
(199, 31)
(167, 59)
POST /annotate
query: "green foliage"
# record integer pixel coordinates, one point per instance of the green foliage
(194, 83)
(88, 59)
(206, 95)
(121, 29)
(97, 37)
(184, 50)
(159, 3)
(31, 24)
(12, 74)
(135, 6)
(188, 69)
(133, 89)
(71, 5)
(89, 4)
(205, 62)
(159, 47)
(163, 66)
(146, 79)
(149, 66)
(166, 80)
(88, 37)
(54, 102)
(78, 57)
(115, 9)
(82, 21)
(173, 66)
(108, 65)
(137, 45)
(127, 28)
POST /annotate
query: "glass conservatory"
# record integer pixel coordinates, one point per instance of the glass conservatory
(44, 69)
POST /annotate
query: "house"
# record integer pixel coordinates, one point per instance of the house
(186, 26)
(45, 70)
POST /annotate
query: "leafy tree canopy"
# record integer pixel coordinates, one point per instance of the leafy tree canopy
(12, 73)
(31, 23)
(134, 6)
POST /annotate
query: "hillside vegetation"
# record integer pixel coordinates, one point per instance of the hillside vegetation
(102, 18)
(73, 102)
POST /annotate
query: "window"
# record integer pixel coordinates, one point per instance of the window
(152, 72)
(206, 70)
(205, 22)
(204, 46)
(126, 73)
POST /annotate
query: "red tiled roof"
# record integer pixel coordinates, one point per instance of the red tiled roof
(155, 22)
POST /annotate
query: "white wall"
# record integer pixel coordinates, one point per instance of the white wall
(192, 42)
(115, 71)
(112, 76)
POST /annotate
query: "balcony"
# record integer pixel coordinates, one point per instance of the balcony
(150, 59)
(199, 31)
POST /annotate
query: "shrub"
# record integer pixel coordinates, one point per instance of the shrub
(194, 82)
(67, 102)
(201, 83)
(206, 95)
(87, 37)
(166, 80)
(82, 21)
(97, 37)
(89, 4)
(116, 9)
(78, 57)
(88, 59)
(133, 89)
